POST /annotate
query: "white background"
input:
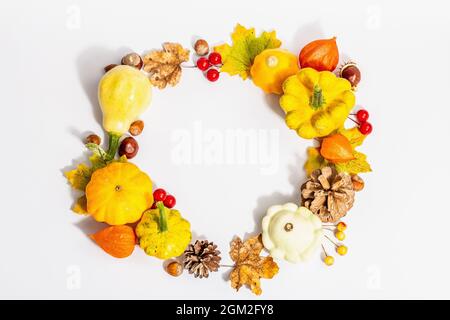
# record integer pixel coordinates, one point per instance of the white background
(52, 55)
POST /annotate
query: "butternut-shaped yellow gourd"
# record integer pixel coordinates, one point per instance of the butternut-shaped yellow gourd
(118, 193)
(316, 103)
(124, 93)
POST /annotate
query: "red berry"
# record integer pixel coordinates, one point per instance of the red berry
(203, 64)
(215, 58)
(362, 115)
(170, 201)
(365, 128)
(159, 195)
(212, 75)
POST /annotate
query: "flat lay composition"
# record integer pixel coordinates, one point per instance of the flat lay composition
(317, 96)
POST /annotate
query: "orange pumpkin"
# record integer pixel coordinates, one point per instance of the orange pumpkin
(118, 193)
(322, 55)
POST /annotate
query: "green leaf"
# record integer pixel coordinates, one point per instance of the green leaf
(238, 58)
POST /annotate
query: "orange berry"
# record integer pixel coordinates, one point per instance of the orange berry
(342, 250)
(340, 235)
(341, 226)
(329, 260)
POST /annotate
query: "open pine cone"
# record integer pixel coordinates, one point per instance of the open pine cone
(201, 258)
(328, 194)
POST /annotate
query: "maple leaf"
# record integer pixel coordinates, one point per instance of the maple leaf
(164, 65)
(314, 161)
(80, 206)
(238, 58)
(355, 166)
(249, 266)
(79, 177)
(354, 136)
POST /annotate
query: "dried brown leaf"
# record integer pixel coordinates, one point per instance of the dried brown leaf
(164, 65)
(249, 266)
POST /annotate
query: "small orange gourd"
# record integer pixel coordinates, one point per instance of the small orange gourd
(117, 241)
(322, 55)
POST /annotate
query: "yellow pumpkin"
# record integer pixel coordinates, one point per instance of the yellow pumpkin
(271, 67)
(163, 233)
(118, 193)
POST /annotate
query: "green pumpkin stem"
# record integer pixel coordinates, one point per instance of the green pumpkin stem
(114, 141)
(162, 217)
(316, 100)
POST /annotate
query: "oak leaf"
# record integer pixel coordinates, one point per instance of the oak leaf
(238, 58)
(249, 266)
(164, 65)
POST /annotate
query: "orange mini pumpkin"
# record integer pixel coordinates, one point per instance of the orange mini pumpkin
(117, 241)
(322, 55)
(118, 193)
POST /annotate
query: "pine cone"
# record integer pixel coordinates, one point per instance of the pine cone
(328, 194)
(201, 258)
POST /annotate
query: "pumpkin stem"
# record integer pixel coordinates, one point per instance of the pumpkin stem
(316, 100)
(162, 217)
(113, 145)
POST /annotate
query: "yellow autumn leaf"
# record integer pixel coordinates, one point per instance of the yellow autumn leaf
(238, 58)
(355, 166)
(314, 161)
(79, 177)
(80, 206)
(354, 136)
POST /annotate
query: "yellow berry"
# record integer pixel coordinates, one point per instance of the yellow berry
(340, 235)
(341, 226)
(329, 260)
(342, 250)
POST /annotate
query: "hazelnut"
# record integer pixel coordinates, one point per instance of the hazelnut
(133, 60)
(128, 148)
(174, 268)
(136, 128)
(358, 183)
(109, 67)
(201, 47)
(93, 138)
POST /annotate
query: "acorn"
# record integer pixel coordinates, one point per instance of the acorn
(350, 72)
(201, 47)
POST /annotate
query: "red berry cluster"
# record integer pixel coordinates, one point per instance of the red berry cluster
(210, 64)
(168, 200)
(362, 116)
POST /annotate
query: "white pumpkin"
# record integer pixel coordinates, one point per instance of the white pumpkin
(291, 233)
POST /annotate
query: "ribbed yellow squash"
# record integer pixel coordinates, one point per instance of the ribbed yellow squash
(316, 103)
(163, 233)
(118, 193)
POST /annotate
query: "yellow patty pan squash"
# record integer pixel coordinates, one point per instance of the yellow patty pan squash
(316, 102)
(291, 233)
(163, 233)
(271, 67)
(124, 93)
(118, 193)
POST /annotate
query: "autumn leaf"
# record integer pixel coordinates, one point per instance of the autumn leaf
(315, 160)
(358, 165)
(80, 206)
(79, 177)
(238, 58)
(354, 136)
(163, 66)
(249, 266)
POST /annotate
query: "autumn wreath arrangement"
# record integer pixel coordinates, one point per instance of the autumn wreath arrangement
(317, 98)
